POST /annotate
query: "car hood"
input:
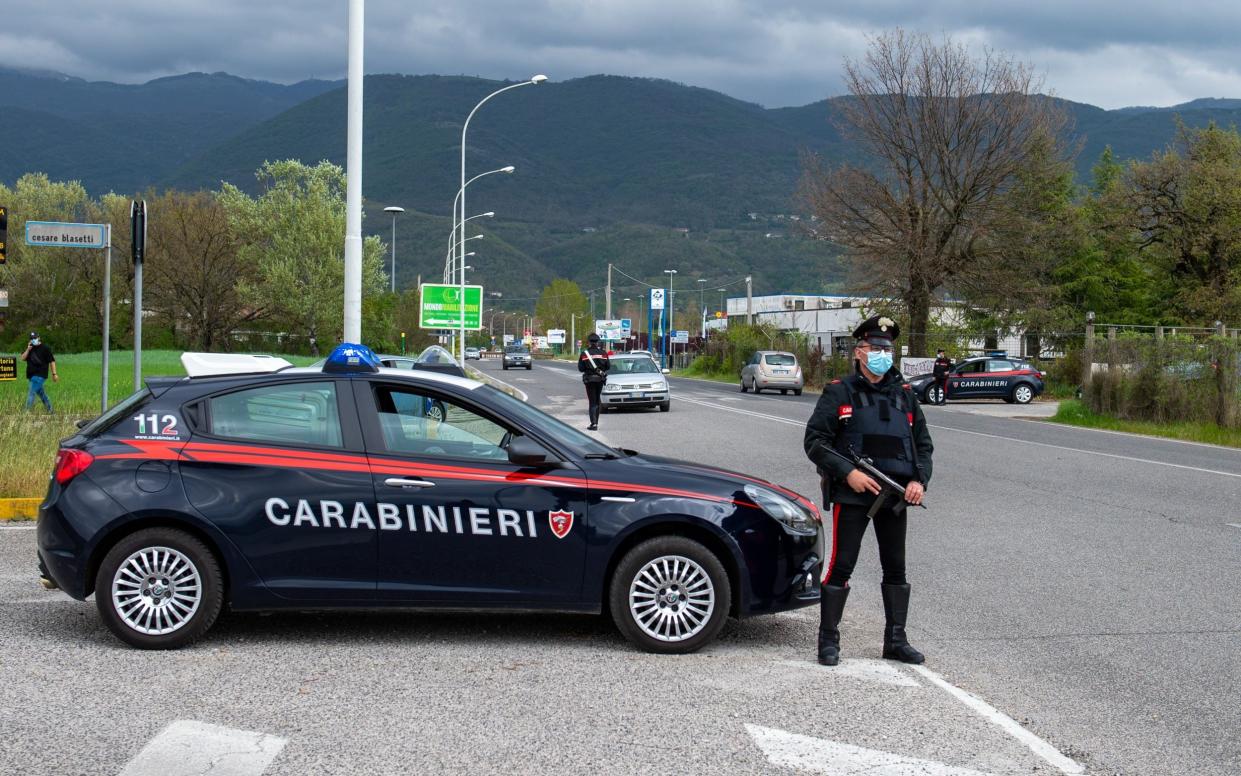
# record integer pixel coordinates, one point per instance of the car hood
(634, 379)
(701, 477)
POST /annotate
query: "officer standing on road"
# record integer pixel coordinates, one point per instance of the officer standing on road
(593, 364)
(874, 414)
(943, 365)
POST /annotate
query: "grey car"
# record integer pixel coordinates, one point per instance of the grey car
(516, 357)
(772, 369)
(635, 381)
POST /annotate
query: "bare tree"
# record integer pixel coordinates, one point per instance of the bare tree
(194, 267)
(946, 135)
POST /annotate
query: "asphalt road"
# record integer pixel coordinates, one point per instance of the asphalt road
(1080, 585)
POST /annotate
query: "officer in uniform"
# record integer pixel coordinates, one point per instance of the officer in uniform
(943, 365)
(593, 364)
(874, 414)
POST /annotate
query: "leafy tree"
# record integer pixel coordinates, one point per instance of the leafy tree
(1184, 209)
(293, 234)
(947, 137)
(558, 302)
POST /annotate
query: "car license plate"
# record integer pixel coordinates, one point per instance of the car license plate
(781, 371)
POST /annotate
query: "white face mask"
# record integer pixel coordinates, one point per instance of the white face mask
(36, 342)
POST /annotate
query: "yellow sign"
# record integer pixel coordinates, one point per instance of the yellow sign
(8, 368)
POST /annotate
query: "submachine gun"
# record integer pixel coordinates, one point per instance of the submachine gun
(888, 487)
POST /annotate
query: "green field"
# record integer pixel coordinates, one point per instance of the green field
(1074, 413)
(28, 439)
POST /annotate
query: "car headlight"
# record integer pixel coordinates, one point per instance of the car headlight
(661, 386)
(782, 509)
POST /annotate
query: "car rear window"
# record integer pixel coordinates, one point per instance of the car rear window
(780, 359)
(288, 413)
(122, 409)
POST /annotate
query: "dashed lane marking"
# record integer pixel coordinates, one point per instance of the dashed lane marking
(1050, 754)
(832, 758)
(1233, 525)
(188, 747)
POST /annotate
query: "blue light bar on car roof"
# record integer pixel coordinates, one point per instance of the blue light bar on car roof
(350, 358)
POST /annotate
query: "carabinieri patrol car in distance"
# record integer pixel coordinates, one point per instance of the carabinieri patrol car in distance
(258, 486)
(994, 376)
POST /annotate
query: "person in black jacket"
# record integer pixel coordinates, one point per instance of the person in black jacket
(593, 364)
(943, 365)
(873, 413)
(39, 360)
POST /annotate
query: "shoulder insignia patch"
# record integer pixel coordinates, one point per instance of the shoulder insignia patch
(835, 382)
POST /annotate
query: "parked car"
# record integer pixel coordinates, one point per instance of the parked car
(772, 369)
(516, 356)
(635, 381)
(988, 377)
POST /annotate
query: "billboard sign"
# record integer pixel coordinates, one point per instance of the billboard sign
(610, 331)
(680, 337)
(441, 307)
(555, 336)
(657, 298)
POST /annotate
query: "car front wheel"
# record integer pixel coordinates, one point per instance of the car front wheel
(1023, 394)
(743, 388)
(665, 407)
(670, 595)
(159, 588)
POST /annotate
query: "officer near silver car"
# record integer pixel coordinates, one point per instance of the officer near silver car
(594, 365)
(873, 416)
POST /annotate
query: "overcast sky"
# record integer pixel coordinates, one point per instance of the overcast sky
(1110, 53)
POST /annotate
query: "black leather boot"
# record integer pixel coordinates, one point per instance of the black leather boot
(594, 418)
(831, 607)
(896, 609)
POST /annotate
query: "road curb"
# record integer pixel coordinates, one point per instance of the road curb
(14, 509)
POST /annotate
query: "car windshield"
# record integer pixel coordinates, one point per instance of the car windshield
(517, 350)
(633, 366)
(562, 433)
(780, 359)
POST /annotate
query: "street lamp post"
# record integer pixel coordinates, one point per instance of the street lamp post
(663, 361)
(538, 79)
(702, 308)
(395, 211)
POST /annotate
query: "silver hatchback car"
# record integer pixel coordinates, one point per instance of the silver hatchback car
(636, 381)
(772, 369)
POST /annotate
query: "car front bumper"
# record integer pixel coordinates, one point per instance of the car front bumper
(634, 398)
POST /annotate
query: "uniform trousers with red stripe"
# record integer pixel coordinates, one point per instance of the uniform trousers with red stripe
(849, 523)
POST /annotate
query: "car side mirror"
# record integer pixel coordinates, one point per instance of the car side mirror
(666, 371)
(524, 451)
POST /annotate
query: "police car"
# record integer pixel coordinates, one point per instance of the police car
(253, 485)
(995, 376)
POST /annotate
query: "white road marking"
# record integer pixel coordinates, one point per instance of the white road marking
(188, 747)
(1233, 525)
(739, 411)
(1089, 452)
(866, 669)
(1044, 750)
(18, 527)
(818, 755)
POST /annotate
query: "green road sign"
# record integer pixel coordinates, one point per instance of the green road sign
(441, 307)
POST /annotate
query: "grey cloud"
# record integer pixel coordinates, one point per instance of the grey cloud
(775, 52)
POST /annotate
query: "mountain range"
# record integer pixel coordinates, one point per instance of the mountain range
(647, 174)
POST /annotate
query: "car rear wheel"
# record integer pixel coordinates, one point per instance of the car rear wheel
(159, 588)
(1023, 394)
(797, 392)
(755, 388)
(670, 595)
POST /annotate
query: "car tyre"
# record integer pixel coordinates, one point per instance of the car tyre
(189, 598)
(743, 388)
(529, 367)
(784, 391)
(680, 567)
(754, 387)
(797, 392)
(1023, 394)
(665, 407)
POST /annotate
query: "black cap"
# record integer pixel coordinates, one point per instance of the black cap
(593, 338)
(877, 330)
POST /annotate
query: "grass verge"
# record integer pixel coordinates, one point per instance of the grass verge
(29, 438)
(1074, 413)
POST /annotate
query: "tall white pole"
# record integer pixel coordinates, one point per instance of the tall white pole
(394, 253)
(353, 173)
(107, 317)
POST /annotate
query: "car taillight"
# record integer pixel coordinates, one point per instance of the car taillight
(71, 463)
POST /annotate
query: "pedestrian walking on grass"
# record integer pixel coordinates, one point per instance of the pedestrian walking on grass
(874, 414)
(39, 361)
(593, 364)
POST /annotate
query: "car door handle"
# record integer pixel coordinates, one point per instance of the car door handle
(400, 482)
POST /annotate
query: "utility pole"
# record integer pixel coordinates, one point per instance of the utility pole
(749, 300)
(353, 179)
(592, 304)
(607, 305)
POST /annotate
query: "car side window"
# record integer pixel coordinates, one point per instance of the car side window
(297, 413)
(972, 367)
(996, 365)
(414, 423)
